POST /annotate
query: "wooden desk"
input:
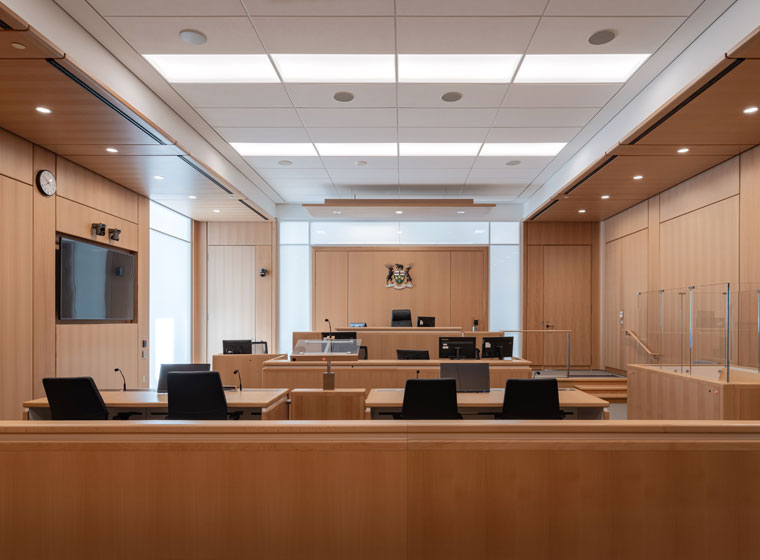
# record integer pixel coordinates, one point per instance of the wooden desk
(250, 366)
(263, 404)
(316, 404)
(383, 402)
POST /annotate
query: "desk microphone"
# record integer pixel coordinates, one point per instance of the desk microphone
(122, 378)
(418, 374)
(240, 377)
(329, 326)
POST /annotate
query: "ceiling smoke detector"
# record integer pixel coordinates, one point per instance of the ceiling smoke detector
(602, 37)
(451, 96)
(192, 37)
(343, 96)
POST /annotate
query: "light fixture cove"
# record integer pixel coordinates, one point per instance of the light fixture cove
(391, 149)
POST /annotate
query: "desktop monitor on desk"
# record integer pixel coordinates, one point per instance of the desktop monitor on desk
(237, 347)
(456, 347)
(497, 347)
(166, 368)
(470, 378)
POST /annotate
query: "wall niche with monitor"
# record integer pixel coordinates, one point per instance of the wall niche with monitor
(94, 283)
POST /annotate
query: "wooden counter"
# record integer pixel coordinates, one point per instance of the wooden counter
(249, 365)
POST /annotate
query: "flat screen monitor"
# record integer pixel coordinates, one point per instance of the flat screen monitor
(456, 347)
(357, 325)
(425, 321)
(412, 355)
(340, 335)
(237, 347)
(470, 378)
(166, 368)
(94, 282)
(497, 347)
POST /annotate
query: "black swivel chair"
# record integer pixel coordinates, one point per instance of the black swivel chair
(197, 395)
(363, 353)
(401, 318)
(531, 399)
(429, 399)
(77, 398)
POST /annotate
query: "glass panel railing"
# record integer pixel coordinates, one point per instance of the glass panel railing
(710, 343)
(675, 319)
(746, 325)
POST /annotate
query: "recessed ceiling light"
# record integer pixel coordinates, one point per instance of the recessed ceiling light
(357, 149)
(578, 68)
(216, 211)
(43, 110)
(360, 163)
(638, 177)
(602, 37)
(457, 68)
(522, 149)
(513, 162)
(479, 231)
(399, 211)
(451, 96)
(399, 232)
(192, 197)
(434, 149)
(336, 211)
(284, 162)
(582, 211)
(192, 37)
(274, 149)
(19, 46)
(605, 196)
(682, 150)
(460, 211)
(159, 177)
(112, 150)
(214, 68)
(343, 96)
(750, 110)
(336, 68)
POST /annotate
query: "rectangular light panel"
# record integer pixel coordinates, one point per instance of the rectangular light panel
(527, 149)
(274, 149)
(439, 149)
(457, 68)
(357, 149)
(214, 68)
(578, 68)
(336, 68)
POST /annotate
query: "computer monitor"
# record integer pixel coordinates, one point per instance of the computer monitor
(470, 378)
(357, 325)
(425, 321)
(166, 368)
(237, 346)
(412, 355)
(497, 347)
(456, 347)
(340, 335)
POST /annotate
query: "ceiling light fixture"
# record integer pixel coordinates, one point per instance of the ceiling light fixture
(112, 150)
(457, 68)
(522, 149)
(399, 211)
(284, 162)
(578, 68)
(750, 110)
(192, 197)
(217, 211)
(192, 37)
(582, 211)
(343, 96)
(602, 37)
(336, 211)
(274, 149)
(460, 211)
(451, 96)
(336, 68)
(357, 149)
(513, 162)
(435, 149)
(638, 177)
(682, 150)
(605, 196)
(43, 110)
(159, 177)
(214, 68)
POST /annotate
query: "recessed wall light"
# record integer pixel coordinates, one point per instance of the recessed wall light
(451, 96)
(605, 196)
(275, 149)
(457, 68)
(284, 162)
(522, 149)
(578, 68)
(356, 149)
(682, 150)
(343, 96)
(750, 110)
(214, 68)
(216, 211)
(192, 197)
(460, 211)
(513, 162)
(336, 68)
(192, 37)
(112, 150)
(638, 177)
(159, 177)
(434, 149)
(582, 211)
(18, 46)
(43, 110)
(602, 37)
(399, 211)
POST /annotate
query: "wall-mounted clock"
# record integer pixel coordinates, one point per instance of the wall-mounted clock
(46, 182)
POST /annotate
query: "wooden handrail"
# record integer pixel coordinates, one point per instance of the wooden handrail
(641, 343)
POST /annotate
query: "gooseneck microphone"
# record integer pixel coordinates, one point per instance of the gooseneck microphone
(329, 326)
(123, 379)
(240, 377)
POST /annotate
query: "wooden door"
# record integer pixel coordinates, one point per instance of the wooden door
(567, 304)
(613, 304)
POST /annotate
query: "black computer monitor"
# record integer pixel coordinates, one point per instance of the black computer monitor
(340, 335)
(497, 347)
(470, 377)
(412, 355)
(425, 321)
(357, 325)
(456, 347)
(166, 368)
(237, 346)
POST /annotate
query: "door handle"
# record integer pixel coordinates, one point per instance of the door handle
(548, 326)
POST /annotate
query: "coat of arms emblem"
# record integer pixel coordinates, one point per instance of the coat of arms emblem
(398, 276)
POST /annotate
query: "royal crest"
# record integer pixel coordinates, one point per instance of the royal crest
(398, 276)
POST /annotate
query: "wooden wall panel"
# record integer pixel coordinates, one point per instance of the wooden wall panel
(16, 214)
(628, 222)
(559, 233)
(82, 185)
(713, 185)
(634, 278)
(16, 158)
(200, 291)
(95, 349)
(142, 293)
(264, 296)
(613, 303)
(534, 303)
(749, 260)
(239, 233)
(469, 288)
(76, 219)
(330, 270)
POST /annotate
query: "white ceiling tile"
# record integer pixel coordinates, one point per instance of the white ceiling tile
(429, 95)
(306, 195)
(505, 175)
(464, 35)
(506, 189)
(560, 95)
(436, 162)
(569, 35)
(440, 175)
(321, 8)
(340, 162)
(458, 135)
(168, 7)
(368, 118)
(382, 183)
(357, 134)
(160, 35)
(290, 173)
(622, 7)
(327, 35)
(526, 162)
(222, 116)
(546, 134)
(421, 191)
(321, 95)
(419, 117)
(273, 162)
(234, 95)
(471, 8)
(245, 134)
(343, 175)
(547, 116)
(312, 184)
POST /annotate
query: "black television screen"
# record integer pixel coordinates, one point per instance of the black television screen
(95, 283)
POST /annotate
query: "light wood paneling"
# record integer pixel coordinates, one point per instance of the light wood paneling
(16, 158)
(613, 304)
(330, 289)
(231, 295)
(143, 293)
(625, 223)
(633, 277)
(713, 185)
(469, 288)
(239, 233)
(264, 295)
(16, 214)
(534, 303)
(316, 404)
(250, 367)
(558, 233)
(749, 219)
(81, 185)
(95, 350)
(200, 291)
(76, 219)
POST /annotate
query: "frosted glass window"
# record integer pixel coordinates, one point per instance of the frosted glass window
(505, 233)
(169, 222)
(354, 233)
(294, 233)
(504, 288)
(444, 233)
(295, 294)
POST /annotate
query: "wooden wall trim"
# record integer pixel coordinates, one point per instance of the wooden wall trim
(630, 221)
(143, 293)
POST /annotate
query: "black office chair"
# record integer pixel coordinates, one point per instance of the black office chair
(77, 398)
(429, 399)
(261, 343)
(531, 399)
(363, 353)
(401, 318)
(197, 395)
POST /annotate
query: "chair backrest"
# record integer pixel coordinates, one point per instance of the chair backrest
(74, 398)
(531, 399)
(430, 399)
(261, 343)
(412, 354)
(401, 318)
(166, 368)
(363, 353)
(196, 395)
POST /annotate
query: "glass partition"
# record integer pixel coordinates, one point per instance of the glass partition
(747, 322)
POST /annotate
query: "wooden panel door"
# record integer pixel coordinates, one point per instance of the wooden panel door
(633, 279)
(231, 295)
(567, 304)
(468, 289)
(330, 289)
(613, 304)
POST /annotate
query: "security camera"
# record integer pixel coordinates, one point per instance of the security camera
(263, 272)
(99, 229)
(114, 234)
